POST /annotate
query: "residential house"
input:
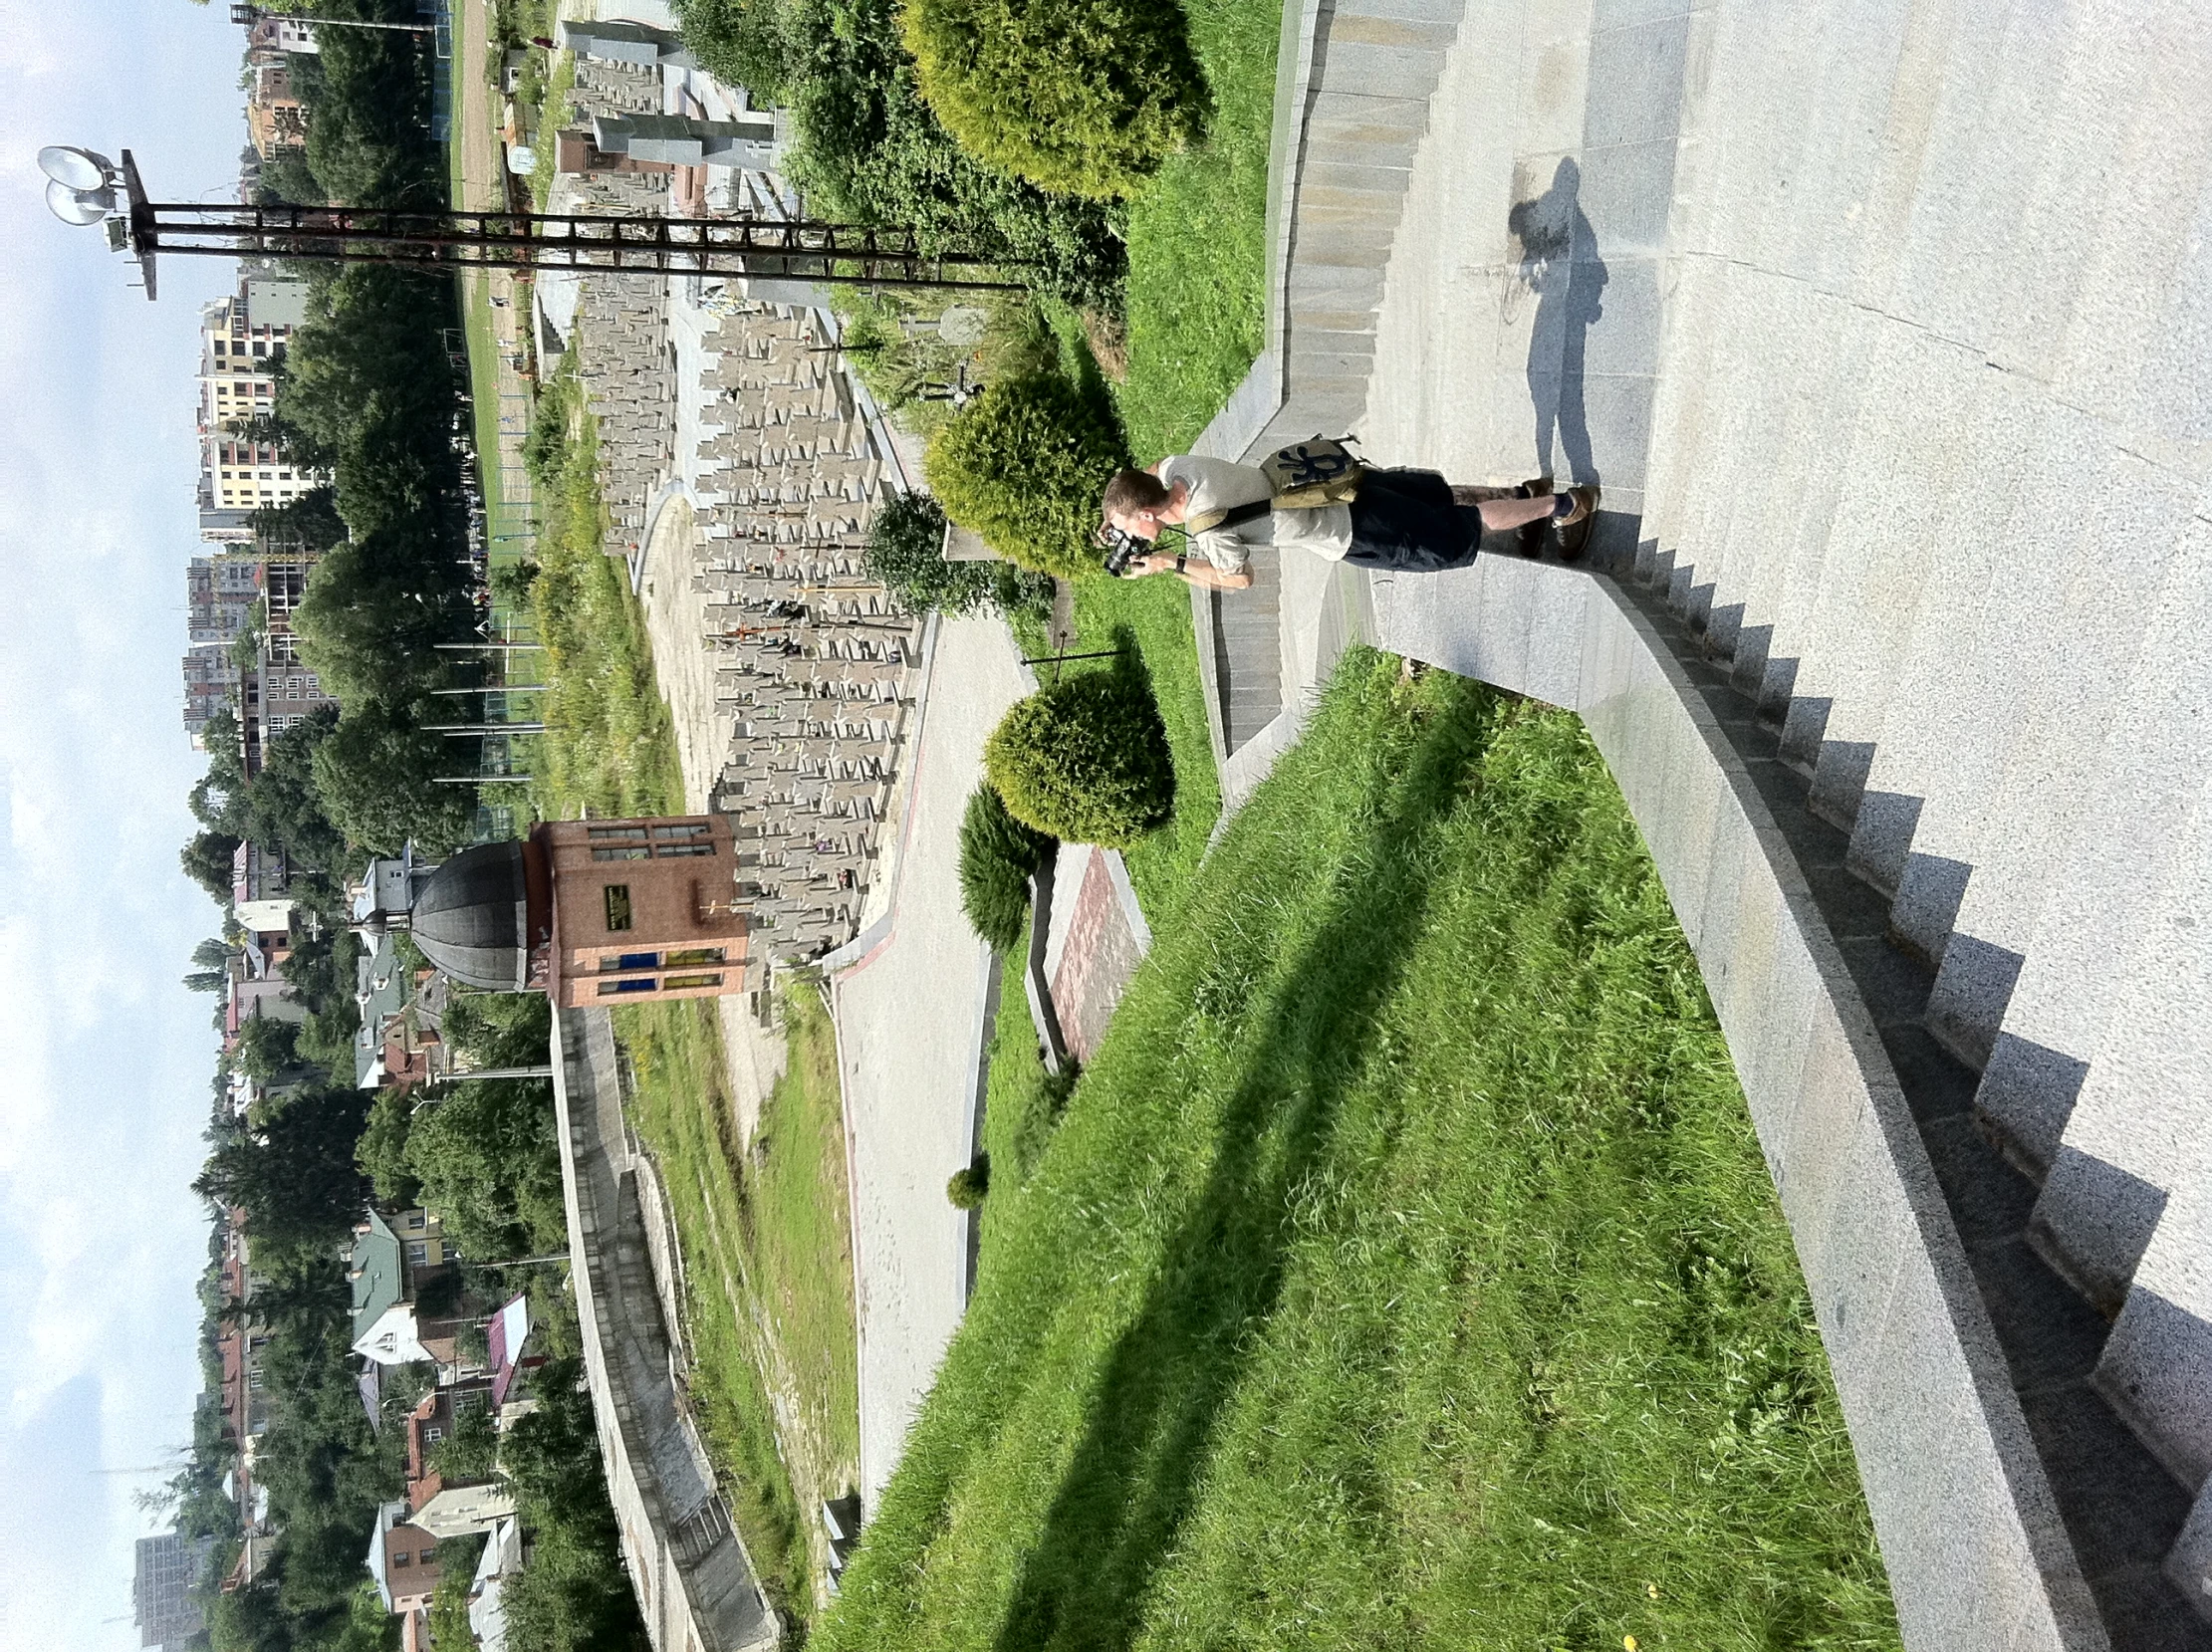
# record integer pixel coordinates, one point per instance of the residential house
(380, 987)
(444, 1506)
(276, 119)
(501, 1559)
(404, 1560)
(387, 1270)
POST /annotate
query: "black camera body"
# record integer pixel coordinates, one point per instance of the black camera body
(1121, 546)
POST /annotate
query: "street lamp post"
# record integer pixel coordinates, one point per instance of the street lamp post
(87, 189)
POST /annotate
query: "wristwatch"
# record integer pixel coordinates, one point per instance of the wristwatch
(1180, 561)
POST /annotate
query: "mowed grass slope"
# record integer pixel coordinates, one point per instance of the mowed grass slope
(768, 1260)
(1197, 240)
(1402, 1274)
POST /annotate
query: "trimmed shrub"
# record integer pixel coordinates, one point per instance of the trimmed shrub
(905, 549)
(969, 1185)
(1025, 465)
(866, 147)
(997, 855)
(1084, 97)
(1085, 760)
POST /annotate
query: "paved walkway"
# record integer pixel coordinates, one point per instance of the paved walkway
(906, 1018)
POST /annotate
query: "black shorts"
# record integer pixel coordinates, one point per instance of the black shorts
(1405, 520)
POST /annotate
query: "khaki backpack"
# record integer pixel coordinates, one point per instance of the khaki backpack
(1305, 476)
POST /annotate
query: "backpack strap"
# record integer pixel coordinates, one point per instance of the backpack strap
(1235, 516)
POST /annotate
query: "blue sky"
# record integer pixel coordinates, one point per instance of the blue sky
(104, 1056)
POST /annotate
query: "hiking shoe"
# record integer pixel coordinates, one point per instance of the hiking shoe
(1575, 527)
(1530, 536)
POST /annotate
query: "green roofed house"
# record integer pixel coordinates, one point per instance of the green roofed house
(385, 1269)
(381, 990)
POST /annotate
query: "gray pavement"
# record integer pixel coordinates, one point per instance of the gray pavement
(905, 1015)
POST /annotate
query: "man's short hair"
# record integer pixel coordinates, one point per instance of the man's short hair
(1133, 490)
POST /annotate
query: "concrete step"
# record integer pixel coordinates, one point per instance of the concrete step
(2135, 1165)
(2094, 1401)
(2061, 699)
(2119, 883)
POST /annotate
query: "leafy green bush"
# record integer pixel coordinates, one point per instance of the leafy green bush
(1024, 465)
(970, 1183)
(1085, 760)
(997, 855)
(905, 552)
(868, 147)
(740, 40)
(1086, 97)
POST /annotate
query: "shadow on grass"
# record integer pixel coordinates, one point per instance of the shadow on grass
(1133, 1478)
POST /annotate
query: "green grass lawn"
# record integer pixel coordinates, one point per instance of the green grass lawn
(1197, 240)
(769, 1254)
(1403, 1273)
(608, 743)
(507, 519)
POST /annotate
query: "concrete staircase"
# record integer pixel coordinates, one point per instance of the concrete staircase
(1927, 488)
(2078, 1382)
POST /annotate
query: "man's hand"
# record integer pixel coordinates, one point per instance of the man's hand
(1154, 564)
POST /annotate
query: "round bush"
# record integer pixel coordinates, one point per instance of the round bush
(1085, 760)
(997, 855)
(1024, 465)
(905, 549)
(1081, 97)
(969, 1185)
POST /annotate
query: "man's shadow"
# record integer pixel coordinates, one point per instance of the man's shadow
(1559, 263)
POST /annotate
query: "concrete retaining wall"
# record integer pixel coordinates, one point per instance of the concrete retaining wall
(695, 1585)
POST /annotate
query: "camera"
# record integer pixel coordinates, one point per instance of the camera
(1121, 548)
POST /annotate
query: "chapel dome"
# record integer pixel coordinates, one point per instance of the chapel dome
(472, 918)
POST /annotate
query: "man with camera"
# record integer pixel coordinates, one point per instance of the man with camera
(1315, 498)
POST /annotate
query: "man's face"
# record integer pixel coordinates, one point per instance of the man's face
(1144, 524)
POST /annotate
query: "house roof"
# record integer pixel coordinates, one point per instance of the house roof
(381, 989)
(374, 1267)
(372, 1389)
(386, 1518)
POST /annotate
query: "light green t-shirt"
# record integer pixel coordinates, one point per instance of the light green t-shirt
(1218, 485)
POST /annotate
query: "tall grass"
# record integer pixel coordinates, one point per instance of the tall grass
(768, 1255)
(608, 744)
(1403, 1273)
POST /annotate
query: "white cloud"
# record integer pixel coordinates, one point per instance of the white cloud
(104, 1056)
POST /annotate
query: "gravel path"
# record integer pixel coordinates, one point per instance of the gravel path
(905, 1017)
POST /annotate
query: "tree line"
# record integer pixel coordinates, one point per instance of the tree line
(367, 390)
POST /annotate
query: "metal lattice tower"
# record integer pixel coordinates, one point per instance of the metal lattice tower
(799, 249)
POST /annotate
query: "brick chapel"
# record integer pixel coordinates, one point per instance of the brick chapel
(591, 912)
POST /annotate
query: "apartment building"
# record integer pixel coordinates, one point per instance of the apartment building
(276, 120)
(238, 336)
(211, 684)
(219, 593)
